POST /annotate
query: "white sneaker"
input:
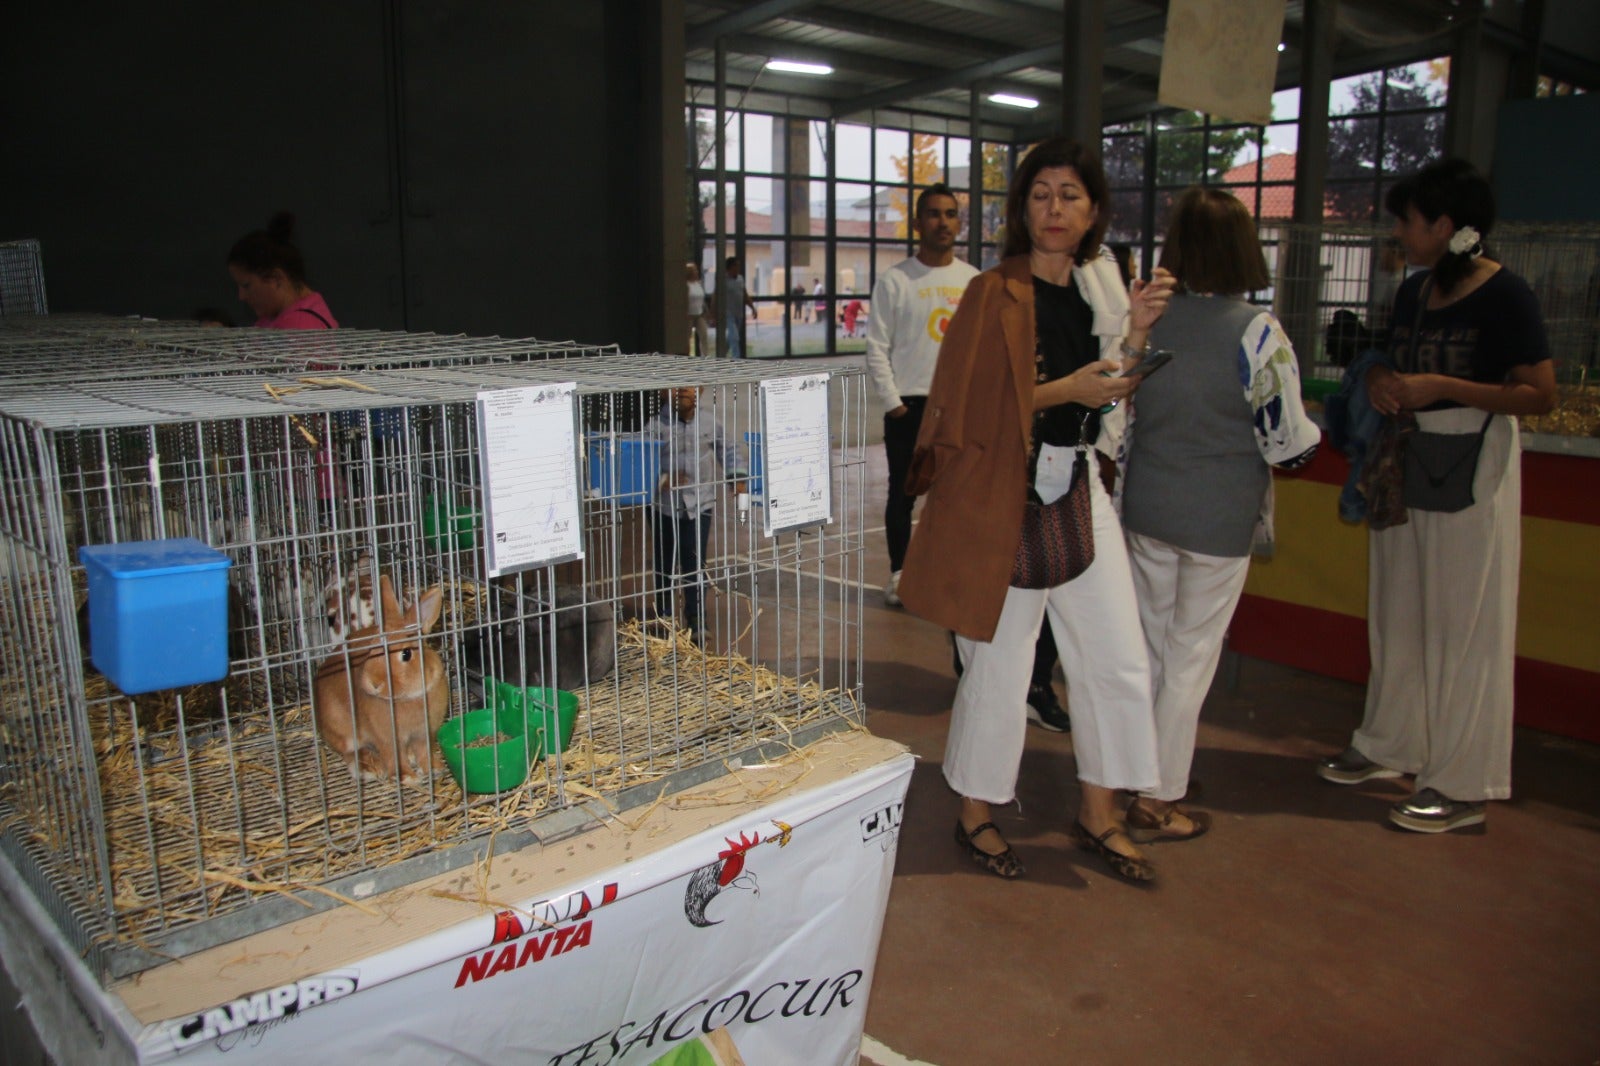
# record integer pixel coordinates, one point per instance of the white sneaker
(891, 591)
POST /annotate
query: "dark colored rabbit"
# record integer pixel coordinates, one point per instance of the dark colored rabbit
(518, 650)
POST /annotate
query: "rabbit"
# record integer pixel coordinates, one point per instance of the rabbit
(379, 699)
(348, 603)
(518, 651)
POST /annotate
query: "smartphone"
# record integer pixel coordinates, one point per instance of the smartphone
(1147, 366)
(1151, 363)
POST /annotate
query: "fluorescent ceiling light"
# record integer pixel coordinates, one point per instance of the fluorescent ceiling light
(1013, 101)
(790, 66)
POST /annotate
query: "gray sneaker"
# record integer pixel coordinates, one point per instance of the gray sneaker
(1351, 768)
(1429, 811)
(891, 591)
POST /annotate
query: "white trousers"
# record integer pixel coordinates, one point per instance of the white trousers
(1186, 601)
(1096, 626)
(1442, 628)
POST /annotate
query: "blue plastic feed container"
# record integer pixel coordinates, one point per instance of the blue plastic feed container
(158, 613)
(752, 443)
(629, 474)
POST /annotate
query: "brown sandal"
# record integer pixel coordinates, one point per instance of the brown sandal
(1145, 825)
(1004, 864)
(1124, 866)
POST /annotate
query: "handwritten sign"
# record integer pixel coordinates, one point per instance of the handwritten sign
(529, 460)
(797, 474)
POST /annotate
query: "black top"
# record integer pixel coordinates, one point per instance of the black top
(1065, 326)
(1480, 337)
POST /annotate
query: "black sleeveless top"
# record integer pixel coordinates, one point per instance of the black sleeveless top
(1064, 324)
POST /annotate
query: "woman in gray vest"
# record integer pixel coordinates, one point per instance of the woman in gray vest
(1205, 432)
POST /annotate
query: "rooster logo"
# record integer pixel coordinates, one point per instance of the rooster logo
(708, 882)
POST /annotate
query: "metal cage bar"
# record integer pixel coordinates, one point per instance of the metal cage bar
(174, 817)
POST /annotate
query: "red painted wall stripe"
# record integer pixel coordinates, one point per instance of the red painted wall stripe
(1306, 638)
(1554, 698)
(1562, 487)
(1558, 699)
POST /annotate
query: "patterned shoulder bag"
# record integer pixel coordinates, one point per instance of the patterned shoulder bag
(1057, 542)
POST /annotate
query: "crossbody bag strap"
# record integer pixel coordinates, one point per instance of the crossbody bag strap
(1416, 324)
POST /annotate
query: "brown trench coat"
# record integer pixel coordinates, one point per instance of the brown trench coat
(971, 458)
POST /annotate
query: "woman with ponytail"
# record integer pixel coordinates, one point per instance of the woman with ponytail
(271, 275)
(1468, 353)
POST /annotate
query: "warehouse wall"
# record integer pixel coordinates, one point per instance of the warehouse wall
(1545, 159)
(454, 167)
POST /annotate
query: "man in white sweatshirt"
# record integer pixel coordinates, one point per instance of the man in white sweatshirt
(911, 306)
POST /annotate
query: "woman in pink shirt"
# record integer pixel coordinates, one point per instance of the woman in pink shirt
(271, 275)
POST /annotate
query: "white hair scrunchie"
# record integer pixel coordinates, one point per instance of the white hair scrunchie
(1464, 240)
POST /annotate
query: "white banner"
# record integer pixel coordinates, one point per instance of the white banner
(767, 926)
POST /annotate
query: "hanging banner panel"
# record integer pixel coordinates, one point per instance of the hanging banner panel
(1221, 57)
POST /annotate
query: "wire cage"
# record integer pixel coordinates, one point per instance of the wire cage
(1334, 286)
(154, 825)
(21, 279)
(67, 349)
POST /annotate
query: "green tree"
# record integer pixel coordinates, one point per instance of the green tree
(921, 168)
(1410, 142)
(1185, 153)
(996, 176)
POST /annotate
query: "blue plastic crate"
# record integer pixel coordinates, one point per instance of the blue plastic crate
(629, 474)
(158, 613)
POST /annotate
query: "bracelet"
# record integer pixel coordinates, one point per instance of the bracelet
(1137, 352)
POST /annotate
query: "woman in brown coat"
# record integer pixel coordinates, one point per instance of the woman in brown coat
(1030, 360)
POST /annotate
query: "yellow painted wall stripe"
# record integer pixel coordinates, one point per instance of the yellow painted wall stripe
(1322, 562)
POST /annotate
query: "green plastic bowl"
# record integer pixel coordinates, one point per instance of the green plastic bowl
(545, 713)
(441, 524)
(490, 767)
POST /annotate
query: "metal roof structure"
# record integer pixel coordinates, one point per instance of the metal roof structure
(926, 56)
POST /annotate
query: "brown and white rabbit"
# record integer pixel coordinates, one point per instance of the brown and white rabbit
(348, 603)
(380, 698)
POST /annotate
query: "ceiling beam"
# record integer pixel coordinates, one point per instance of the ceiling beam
(956, 79)
(749, 17)
(838, 58)
(1147, 28)
(1050, 54)
(1027, 16)
(821, 91)
(898, 31)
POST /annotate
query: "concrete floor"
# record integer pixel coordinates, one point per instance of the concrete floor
(1302, 929)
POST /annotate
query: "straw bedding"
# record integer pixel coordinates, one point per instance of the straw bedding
(256, 804)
